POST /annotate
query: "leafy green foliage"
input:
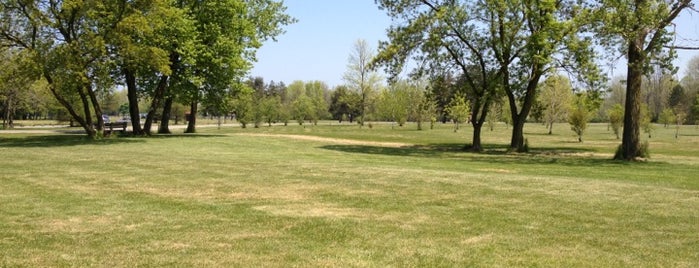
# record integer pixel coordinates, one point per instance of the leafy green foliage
(401, 102)
(646, 124)
(581, 111)
(316, 92)
(360, 77)
(493, 45)
(244, 107)
(459, 110)
(640, 30)
(302, 109)
(616, 118)
(556, 95)
(667, 117)
(271, 109)
(20, 91)
(345, 104)
(199, 49)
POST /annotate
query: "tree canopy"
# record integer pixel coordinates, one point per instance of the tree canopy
(496, 47)
(201, 49)
(641, 30)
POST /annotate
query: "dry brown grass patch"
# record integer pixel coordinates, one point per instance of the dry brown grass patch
(332, 140)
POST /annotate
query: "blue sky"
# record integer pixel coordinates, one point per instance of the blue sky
(318, 45)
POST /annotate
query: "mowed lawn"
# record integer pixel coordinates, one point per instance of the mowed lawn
(337, 195)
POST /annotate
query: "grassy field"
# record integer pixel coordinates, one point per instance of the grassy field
(338, 195)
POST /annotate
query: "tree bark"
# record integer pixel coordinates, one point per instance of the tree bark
(630, 143)
(519, 118)
(155, 103)
(86, 111)
(132, 94)
(95, 106)
(550, 128)
(477, 120)
(159, 95)
(89, 130)
(476, 146)
(191, 125)
(6, 116)
(165, 120)
(517, 141)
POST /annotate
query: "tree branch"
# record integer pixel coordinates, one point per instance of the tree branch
(681, 47)
(682, 4)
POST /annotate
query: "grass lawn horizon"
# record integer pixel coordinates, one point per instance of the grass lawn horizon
(340, 195)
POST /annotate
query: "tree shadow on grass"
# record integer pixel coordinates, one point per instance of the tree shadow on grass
(32, 141)
(491, 154)
(38, 141)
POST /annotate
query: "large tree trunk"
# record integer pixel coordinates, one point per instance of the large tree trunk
(155, 103)
(551, 128)
(96, 106)
(86, 109)
(165, 120)
(519, 118)
(191, 125)
(132, 94)
(89, 130)
(630, 143)
(517, 141)
(7, 117)
(478, 118)
(159, 95)
(476, 146)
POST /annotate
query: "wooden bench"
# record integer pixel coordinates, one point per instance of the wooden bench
(110, 127)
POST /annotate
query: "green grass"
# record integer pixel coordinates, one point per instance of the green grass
(337, 195)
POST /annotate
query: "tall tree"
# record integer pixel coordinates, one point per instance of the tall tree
(316, 92)
(394, 102)
(555, 97)
(137, 51)
(66, 42)
(492, 44)
(360, 76)
(584, 105)
(81, 47)
(445, 37)
(14, 86)
(531, 39)
(616, 118)
(229, 33)
(458, 110)
(345, 104)
(640, 29)
(442, 89)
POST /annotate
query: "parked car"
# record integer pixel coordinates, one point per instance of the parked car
(105, 118)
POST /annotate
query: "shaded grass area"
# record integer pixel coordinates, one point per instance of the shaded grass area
(225, 198)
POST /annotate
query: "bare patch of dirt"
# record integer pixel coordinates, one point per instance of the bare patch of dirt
(333, 140)
(79, 224)
(316, 210)
(479, 239)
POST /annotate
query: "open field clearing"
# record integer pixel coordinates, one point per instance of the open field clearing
(337, 195)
